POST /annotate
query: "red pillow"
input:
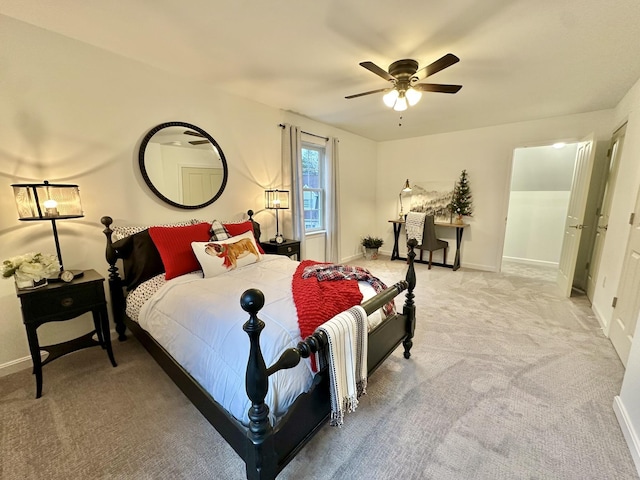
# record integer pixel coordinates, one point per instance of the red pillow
(174, 246)
(234, 229)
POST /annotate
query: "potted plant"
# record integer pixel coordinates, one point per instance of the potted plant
(461, 203)
(371, 246)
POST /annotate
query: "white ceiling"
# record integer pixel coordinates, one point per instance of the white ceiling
(520, 59)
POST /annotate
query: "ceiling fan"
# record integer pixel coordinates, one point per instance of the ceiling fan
(196, 134)
(404, 76)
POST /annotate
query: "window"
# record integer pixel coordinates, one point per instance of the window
(313, 192)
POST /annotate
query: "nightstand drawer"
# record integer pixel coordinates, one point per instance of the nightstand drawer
(288, 248)
(71, 300)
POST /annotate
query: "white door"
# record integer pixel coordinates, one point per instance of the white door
(200, 184)
(575, 215)
(604, 210)
(625, 314)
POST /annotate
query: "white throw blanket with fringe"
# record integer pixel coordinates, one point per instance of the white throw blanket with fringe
(347, 360)
(414, 226)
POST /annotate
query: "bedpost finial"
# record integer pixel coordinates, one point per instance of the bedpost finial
(252, 301)
(106, 221)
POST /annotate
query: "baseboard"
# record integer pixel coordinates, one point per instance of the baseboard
(15, 366)
(477, 266)
(604, 324)
(529, 261)
(473, 266)
(386, 253)
(25, 362)
(630, 435)
(354, 257)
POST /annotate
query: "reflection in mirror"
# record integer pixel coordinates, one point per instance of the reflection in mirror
(183, 165)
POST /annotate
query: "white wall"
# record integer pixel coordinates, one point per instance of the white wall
(486, 154)
(74, 113)
(535, 226)
(624, 197)
(541, 180)
(627, 404)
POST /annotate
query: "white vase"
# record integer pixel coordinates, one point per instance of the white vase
(370, 253)
(24, 282)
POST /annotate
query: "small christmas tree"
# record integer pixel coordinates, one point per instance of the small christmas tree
(461, 203)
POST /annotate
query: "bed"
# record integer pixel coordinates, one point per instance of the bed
(285, 401)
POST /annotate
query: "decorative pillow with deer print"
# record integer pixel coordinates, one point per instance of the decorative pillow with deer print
(217, 257)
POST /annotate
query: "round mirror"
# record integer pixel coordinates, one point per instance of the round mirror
(183, 165)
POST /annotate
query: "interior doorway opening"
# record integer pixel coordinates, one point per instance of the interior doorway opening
(540, 189)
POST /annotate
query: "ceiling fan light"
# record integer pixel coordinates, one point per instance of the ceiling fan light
(390, 98)
(413, 96)
(401, 104)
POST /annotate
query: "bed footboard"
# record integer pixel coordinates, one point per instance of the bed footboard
(266, 457)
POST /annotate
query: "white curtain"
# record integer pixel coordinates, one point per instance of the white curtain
(292, 181)
(332, 244)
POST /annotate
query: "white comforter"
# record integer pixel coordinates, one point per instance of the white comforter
(199, 322)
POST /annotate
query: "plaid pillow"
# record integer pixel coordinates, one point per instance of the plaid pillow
(218, 232)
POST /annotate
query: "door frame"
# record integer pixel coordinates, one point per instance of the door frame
(626, 281)
(607, 190)
(507, 187)
(578, 201)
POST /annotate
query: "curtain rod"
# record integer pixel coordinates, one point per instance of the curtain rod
(308, 133)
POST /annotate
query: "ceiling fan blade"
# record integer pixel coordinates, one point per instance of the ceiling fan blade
(372, 67)
(199, 142)
(369, 93)
(437, 87)
(440, 64)
(195, 134)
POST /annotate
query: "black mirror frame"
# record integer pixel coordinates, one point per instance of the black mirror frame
(145, 175)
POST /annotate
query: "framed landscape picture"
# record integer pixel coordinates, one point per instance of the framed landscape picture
(433, 198)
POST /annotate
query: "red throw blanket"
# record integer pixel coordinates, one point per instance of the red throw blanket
(317, 302)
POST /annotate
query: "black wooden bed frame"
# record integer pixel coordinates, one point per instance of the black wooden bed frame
(267, 449)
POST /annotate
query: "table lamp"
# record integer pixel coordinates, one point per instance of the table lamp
(276, 200)
(405, 189)
(49, 201)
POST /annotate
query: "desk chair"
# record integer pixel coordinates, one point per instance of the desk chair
(430, 242)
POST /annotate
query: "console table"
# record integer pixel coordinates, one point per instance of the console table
(397, 226)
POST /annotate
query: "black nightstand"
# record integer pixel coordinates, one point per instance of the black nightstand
(61, 301)
(288, 248)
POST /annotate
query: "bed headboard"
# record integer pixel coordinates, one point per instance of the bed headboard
(256, 226)
(135, 253)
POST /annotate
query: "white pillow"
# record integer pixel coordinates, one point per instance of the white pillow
(222, 256)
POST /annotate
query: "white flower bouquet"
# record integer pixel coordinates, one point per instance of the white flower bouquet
(32, 266)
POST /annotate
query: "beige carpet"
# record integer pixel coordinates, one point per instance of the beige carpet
(507, 381)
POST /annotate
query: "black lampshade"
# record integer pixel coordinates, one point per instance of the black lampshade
(48, 201)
